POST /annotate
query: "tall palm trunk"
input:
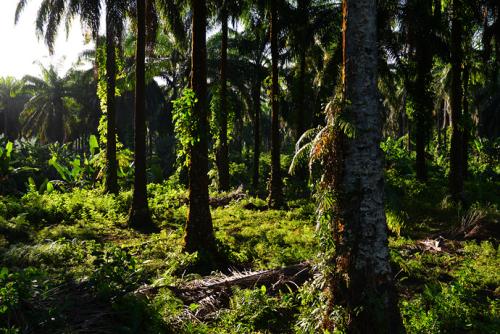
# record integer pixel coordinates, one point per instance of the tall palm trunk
(256, 132)
(199, 230)
(467, 124)
(222, 150)
(456, 149)
(139, 213)
(362, 280)
(422, 99)
(111, 181)
(301, 114)
(276, 184)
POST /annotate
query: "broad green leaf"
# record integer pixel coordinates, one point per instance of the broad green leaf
(8, 148)
(93, 144)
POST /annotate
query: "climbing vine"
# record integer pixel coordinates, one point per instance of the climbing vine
(185, 125)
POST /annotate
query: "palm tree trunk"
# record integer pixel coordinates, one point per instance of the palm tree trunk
(422, 98)
(467, 124)
(456, 148)
(276, 184)
(199, 229)
(256, 132)
(111, 181)
(139, 213)
(222, 150)
(362, 280)
(301, 114)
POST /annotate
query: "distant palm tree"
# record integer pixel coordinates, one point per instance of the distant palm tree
(11, 104)
(275, 199)
(48, 114)
(226, 10)
(50, 16)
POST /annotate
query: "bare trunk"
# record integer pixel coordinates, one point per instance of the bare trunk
(362, 280)
(301, 113)
(256, 133)
(199, 230)
(467, 124)
(276, 184)
(422, 98)
(111, 181)
(456, 149)
(222, 150)
(139, 213)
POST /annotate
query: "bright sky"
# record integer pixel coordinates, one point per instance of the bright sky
(21, 49)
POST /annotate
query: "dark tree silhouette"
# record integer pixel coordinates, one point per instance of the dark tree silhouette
(140, 217)
(199, 230)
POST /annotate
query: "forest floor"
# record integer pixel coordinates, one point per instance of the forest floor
(69, 264)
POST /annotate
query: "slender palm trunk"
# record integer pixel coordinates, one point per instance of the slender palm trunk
(456, 149)
(422, 98)
(301, 114)
(111, 181)
(276, 199)
(467, 124)
(199, 229)
(222, 150)
(362, 280)
(256, 132)
(139, 213)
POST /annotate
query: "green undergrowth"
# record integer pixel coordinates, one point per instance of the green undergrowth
(69, 263)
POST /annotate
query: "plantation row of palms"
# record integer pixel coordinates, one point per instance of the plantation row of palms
(306, 59)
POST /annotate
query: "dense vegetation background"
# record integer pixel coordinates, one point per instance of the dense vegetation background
(218, 168)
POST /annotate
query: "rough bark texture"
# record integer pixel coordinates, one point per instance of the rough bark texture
(362, 281)
(222, 150)
(111, 181)
(276, 184)
(139, 213)
(256, 132)
(456, 149)
(199, 230)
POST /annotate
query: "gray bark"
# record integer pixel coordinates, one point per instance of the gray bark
(363, 281)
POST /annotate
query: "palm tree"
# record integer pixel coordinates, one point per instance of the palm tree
(275, 199)
(11, 105)
(139, 213)
(227, 10)
(361, 277)
(48, 113)
(49, 17)
(421, 28)
(252, 54)
(199, 229)
(222, 153)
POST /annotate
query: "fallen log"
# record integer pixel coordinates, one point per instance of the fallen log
(213, 293)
